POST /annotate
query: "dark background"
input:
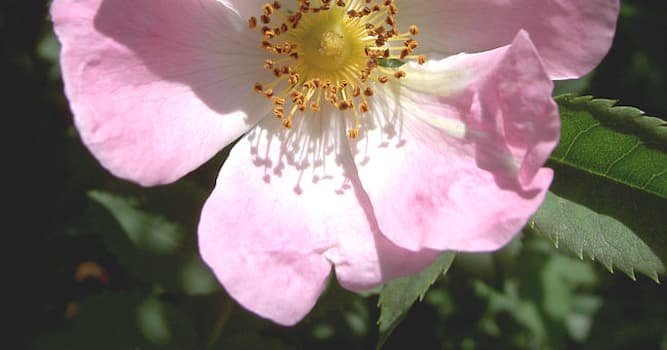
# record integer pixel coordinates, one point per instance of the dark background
(70, 286)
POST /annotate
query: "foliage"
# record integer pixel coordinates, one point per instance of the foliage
(398, 296)
(610, 190)
(106, 264)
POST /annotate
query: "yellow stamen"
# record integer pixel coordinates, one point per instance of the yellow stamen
(326, 50)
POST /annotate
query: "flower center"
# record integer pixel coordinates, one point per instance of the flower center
(331, 45)
(328, 51)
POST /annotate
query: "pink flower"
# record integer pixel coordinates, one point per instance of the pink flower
(446, 154)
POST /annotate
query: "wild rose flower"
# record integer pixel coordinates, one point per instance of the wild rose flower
(347, 160)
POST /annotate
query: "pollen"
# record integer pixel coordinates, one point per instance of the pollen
(330, 52)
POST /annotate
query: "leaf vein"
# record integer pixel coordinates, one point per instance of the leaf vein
(622, 156)
(576, 138)
(652, 178)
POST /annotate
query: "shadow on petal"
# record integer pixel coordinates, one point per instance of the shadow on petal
(193, 42)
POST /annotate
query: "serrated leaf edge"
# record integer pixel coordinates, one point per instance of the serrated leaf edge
(532, 226)
(651, 129)
(443, 270)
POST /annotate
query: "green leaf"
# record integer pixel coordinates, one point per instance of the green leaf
(150, 246)
(122, 321)
(397, 296)
(617, 143)
(609, 196)
(523, 312)
(617, 225)
(390, 62)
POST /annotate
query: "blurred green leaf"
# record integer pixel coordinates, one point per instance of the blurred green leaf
(397, 296)
(122, 321)
(563, 282)
(49, 49)
(509, 301)
(559, 278)
(150, 246)
(544, 301)
(617, 143)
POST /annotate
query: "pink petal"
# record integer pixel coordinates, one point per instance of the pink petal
(287, 206)
(455, 164)
(156, 86)
(572, 36)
